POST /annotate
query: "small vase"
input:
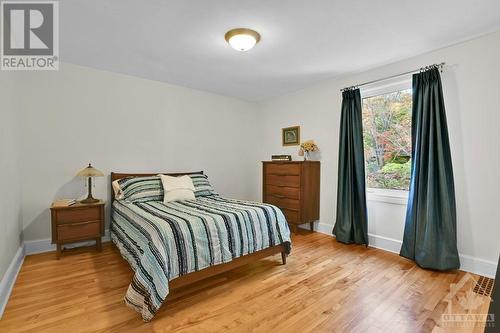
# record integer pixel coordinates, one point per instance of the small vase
(306, 156)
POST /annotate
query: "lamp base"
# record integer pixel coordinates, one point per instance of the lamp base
(89, 201)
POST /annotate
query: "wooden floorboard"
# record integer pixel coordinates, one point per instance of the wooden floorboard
(325, 287)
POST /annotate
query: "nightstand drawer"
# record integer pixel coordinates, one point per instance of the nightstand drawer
(79, 215)
(78, 230)
(79, 222)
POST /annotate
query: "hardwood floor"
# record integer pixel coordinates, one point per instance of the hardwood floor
(325, 287)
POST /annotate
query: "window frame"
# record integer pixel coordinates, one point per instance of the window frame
(398, 197)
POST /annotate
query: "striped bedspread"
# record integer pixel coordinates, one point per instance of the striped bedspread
(164, 241)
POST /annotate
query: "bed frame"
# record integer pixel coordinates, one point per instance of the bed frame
(212, 270)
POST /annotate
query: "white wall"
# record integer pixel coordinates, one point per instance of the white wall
(121, 123)
(10, 187)
(472, 94)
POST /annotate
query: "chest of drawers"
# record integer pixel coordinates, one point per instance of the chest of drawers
(294, 187)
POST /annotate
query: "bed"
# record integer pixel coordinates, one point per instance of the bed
(175, 244)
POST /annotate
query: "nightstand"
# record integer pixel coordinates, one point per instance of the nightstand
(76, 223)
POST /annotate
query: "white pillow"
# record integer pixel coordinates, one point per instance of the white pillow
(117, 190)
(177, 188)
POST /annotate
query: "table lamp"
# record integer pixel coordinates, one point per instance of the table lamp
(90, 172)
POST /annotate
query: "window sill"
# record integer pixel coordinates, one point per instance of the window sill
(395, 197)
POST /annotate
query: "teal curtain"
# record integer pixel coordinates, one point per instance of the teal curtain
(351, 222)
(430, 236)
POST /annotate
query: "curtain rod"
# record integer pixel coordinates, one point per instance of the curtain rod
(421, 69)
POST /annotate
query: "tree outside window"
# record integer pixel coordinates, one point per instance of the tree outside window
(387, 140)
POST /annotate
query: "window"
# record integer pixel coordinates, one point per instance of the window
(387, 139)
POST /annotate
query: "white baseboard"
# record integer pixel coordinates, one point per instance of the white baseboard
(38, 246)
(479, 266)
(384, 243)
(467, 263)
(9, 279)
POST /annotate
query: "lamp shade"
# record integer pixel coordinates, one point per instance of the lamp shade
(90, 171)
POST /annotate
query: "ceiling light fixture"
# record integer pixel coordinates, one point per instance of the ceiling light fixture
(242, 39)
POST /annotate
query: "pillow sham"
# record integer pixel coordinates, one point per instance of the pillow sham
(177, 188)
(140, 189)
(116, 189)
(202, 186)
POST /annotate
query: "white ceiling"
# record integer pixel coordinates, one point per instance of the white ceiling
(303, 41)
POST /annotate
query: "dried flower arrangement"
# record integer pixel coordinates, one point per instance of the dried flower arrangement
(306, 148)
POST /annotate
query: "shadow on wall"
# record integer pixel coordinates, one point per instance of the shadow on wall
(40, 222)
(40, 225)
(75, 188)
(456, 134)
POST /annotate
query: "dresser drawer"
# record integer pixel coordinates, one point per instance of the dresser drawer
(283, 191)
(78, 215)
(78, 230)
(292, 216)
(283, 202)
(279, 180)
(283, 169)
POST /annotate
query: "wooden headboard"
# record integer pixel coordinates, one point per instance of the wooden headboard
(120, 175)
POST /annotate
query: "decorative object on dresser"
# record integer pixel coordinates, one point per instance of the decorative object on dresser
(306, 148)
(293, 186)
(78, 222)
(290, 136)
(89, 173)
(281, 157)
(64, 202)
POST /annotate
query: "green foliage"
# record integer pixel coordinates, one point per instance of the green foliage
(387, 139)
(392, 176)
(398, 168)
